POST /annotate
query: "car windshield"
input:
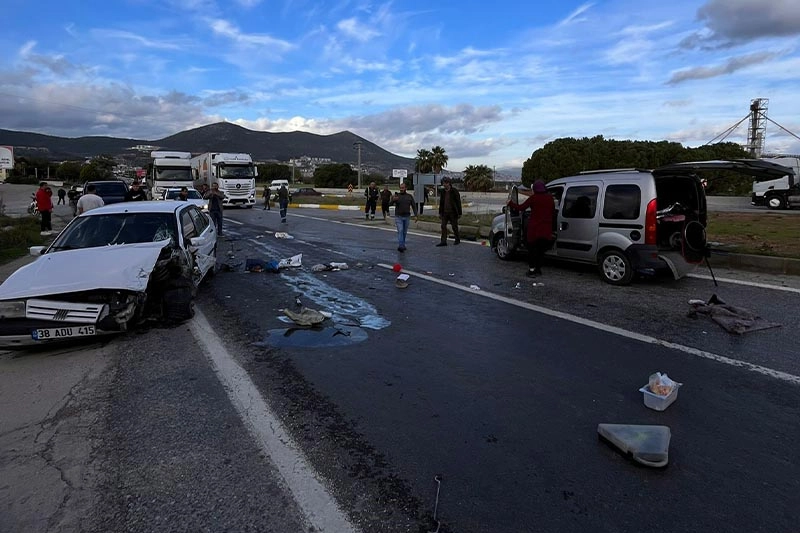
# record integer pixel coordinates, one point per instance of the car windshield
(174, 193)
(235, 172)
(116, 228)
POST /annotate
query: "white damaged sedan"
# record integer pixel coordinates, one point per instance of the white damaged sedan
(109, 269)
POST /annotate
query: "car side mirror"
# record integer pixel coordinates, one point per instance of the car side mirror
(36, 250)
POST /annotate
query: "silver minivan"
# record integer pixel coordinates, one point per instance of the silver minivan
(629, 220)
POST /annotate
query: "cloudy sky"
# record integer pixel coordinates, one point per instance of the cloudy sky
(489, 81)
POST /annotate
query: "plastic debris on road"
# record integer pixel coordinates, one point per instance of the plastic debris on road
(647, 445)
(282, 235)
(330, 267)
(402, 281)
(474, 287)
(294, 261)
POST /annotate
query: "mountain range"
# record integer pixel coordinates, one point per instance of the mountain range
(220, 137)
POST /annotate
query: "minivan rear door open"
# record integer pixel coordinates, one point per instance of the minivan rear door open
(759, 169)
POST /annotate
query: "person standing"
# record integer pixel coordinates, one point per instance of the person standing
(283, 201)
(386, 199)
(135, 193)
(61, 195)
(371, 193)
(403, 205)
(449, 211)
(183, 195)
(44, 203)
(540, 225)
(265, 196)
(89, 200)
(73, 196)
(215, 197)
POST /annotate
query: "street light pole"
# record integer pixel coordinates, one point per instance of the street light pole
(357, 145)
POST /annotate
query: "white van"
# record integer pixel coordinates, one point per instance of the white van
(276, 184)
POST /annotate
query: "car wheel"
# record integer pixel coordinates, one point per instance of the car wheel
(615, 267)
(776, 202)
(501, 247)
(178, 304)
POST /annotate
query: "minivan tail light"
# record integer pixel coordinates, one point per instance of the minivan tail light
(650, 223)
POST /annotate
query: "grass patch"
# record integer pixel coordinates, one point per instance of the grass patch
(17, 234)
(756, 233)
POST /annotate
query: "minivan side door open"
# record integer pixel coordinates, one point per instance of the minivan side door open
(577, 222)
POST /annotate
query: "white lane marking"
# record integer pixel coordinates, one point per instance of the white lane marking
(777, 374)
(745, 282)
(233, 221)
(318, 506)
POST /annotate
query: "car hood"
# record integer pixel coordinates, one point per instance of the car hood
(759, 169)
(122, 267)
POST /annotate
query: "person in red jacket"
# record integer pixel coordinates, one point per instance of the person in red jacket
(44, 203)
(540, 225)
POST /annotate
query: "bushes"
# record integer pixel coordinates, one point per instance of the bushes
(17, 235)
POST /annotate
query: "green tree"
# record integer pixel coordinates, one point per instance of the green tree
(274, 171)
(424, 161)
(99, 168)
(69, 171)
(439, 159)
(335, 175)
(478, 178)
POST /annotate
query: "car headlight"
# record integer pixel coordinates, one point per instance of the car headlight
(12, 309)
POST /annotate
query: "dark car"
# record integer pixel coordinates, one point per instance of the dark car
(111, 191)
(306, 191)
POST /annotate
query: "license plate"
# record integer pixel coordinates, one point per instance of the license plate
(46, 334)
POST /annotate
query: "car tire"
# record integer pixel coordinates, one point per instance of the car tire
(615, 267)
(776, 202)
(178, 305)
(500, 247)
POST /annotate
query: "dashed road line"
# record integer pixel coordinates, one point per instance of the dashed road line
(777, 374)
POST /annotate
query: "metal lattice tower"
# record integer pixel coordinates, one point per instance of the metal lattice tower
(757, 129)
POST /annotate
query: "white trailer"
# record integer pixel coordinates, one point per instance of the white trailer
(170, 170)
(234, 173)
(781, 193)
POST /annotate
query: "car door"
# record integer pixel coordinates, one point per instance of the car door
(577, 222)
(199, 237)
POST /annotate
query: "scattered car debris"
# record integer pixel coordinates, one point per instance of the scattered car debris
(402, 281)
(282, 235)
(474, 287)
(733, 319)
(294, 261)
(647, 445)
(660, 391)
(329, 267)
(305, 317)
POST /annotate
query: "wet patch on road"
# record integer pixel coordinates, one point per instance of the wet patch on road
(317, 337)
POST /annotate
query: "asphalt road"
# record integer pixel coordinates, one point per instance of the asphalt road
(496, 389)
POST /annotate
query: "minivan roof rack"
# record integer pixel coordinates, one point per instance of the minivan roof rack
(608, 170)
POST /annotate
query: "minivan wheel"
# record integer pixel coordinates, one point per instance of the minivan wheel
(500, 247)
(615, 267)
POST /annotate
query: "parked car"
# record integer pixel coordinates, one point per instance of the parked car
(111, 191)
(626, 221)
(306, 191)
(108, 270)
(194, 197)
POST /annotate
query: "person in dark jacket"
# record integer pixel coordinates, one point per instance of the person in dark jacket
(371, 194)
(403, 205)
(283, 201)
(135, 194)
(61, 194)
(540, 225)
(386, 199)
(449, 210)
(215, 198)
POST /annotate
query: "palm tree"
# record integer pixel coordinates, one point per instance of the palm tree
(438, 159)
(424, 164)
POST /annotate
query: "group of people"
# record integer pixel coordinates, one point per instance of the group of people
(283, 200)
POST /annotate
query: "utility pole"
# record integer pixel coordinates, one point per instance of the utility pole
(357, 145)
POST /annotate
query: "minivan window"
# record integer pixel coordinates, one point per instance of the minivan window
(622, 202)
(556, 193)
(580, 202)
